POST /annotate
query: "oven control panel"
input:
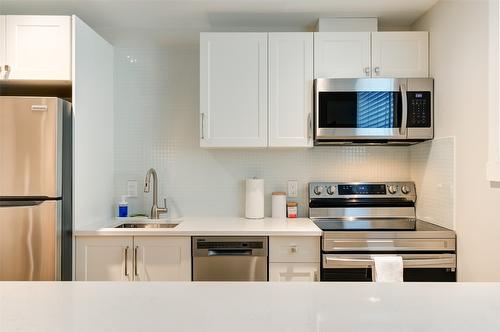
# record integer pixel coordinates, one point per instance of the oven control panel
(362, 190)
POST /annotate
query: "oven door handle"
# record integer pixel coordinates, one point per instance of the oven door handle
(404, 116)
(417, 261)
(429, 263)
(338, 262)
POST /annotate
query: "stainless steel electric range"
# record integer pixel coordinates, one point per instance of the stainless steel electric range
(360, 220)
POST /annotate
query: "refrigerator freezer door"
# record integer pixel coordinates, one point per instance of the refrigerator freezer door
(28, 241)
(30, 147)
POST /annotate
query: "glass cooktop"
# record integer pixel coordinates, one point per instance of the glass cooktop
(378, 224)
(375, 224)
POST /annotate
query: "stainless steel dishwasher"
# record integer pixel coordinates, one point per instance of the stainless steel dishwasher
(230, 258)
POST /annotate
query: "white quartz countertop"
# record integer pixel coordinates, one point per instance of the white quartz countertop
(255, 307)
(224, 226)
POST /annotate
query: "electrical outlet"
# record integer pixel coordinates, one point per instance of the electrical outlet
(132, 188)
(293, 188)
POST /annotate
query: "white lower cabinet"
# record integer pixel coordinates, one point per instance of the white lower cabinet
(104, 258)
(130, 258)
(162, 259)
(293, 271)
(294, 258)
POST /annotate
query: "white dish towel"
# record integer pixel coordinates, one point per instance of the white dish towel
(387, 269)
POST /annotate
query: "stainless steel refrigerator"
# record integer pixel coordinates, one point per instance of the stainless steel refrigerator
(35, 188)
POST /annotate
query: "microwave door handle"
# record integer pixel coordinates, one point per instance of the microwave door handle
(404, 117)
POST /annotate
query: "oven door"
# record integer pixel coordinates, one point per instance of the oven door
(360, 109)
(417, 267)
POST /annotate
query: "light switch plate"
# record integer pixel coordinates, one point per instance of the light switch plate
(132, 188)
(293, 188)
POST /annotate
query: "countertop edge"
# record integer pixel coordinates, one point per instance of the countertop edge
(195, 233)
(210, 226)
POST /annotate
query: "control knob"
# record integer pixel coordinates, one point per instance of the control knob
(405, 189)
(318, 190)
(392, 189)
(330, 190)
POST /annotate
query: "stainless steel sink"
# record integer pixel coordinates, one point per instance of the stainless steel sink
(147, 225)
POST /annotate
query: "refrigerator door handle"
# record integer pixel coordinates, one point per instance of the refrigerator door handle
(20, 203)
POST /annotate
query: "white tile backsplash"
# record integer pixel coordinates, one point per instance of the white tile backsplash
(433, 171)
(157, 114)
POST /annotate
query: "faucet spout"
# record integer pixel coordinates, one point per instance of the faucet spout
(155, 210)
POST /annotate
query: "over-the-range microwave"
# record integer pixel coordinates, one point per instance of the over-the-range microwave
(373, 111)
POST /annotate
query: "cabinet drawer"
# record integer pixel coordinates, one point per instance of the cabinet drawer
(294, 249)
(288, 272)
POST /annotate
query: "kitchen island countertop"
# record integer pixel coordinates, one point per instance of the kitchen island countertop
(261, 307)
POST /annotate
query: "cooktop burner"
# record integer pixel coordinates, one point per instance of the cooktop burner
(389, 224)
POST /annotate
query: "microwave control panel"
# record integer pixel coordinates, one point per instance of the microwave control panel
(419, 109)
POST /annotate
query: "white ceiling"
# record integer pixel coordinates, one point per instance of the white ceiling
(126, 22)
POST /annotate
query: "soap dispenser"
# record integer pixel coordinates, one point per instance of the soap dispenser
(123, 207)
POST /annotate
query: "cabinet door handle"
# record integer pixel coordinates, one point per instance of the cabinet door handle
(368, 71)
(126, 261)
(377, 70)
(135, 261)
(202, 125)
(310, 125)
(7, 71)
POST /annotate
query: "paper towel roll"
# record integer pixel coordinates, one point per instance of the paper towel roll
(254, 207)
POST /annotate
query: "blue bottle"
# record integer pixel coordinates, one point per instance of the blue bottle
(123, 208)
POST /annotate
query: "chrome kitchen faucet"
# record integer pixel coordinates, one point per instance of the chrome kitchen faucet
(155, 210)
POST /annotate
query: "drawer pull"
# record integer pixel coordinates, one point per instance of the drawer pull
(135, 261)
(295, 274)
(293, 249)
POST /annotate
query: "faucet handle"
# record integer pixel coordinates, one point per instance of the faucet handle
(163, 209)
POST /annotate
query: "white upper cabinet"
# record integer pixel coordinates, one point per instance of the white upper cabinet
(371, 54)
(290, 89)
(37, 47)
(256, 89)
(233, 89)
(162, 258)
(400, 54)
(342, 54)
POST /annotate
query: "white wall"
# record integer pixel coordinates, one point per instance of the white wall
(156, 125)
(432, 168)
(459, 63)
(93, 130)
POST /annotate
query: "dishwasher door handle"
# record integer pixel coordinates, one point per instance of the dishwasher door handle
(230, 252)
